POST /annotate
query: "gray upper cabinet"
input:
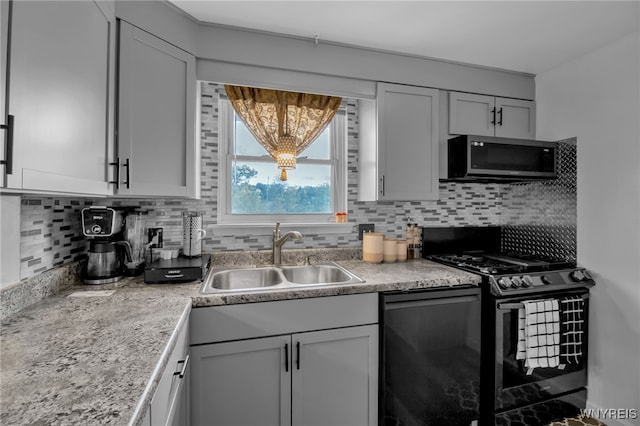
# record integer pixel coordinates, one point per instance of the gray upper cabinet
(399, 144)
(59, 60)
(516, 118)
(157, 148)
(471, 114)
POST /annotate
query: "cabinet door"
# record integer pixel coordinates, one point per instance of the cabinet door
(471, 114)
(335, 377)
(60, 94)
(172, 390)
(180, 412)
(157, 148)
(515, 118)
(407, 123)
(243, 383)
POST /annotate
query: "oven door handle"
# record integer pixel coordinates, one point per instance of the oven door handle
(510, 306)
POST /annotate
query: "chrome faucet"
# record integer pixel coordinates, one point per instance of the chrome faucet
(279, 241)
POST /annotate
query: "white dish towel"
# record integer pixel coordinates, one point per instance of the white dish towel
(539, 334)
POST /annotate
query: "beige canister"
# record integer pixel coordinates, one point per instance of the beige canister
(372, 247)
(401, 250)
(390, 251)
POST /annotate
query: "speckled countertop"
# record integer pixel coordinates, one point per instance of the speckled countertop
(411, 275)
(91, 360)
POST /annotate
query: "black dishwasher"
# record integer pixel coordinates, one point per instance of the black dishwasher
(430, 357)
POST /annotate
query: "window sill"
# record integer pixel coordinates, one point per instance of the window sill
(267, 228)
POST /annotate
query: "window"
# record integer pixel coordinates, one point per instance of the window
(250, 189)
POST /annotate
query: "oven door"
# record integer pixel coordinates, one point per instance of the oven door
(514, 385)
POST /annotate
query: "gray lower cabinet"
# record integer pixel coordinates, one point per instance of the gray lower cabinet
(170, 404)
(293, 362)
(242, 383)
(334, 377)
(59, 90)
(157, 150)
(318, 378)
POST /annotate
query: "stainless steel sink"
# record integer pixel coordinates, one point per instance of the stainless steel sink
(317, 274)
(274, 277)
(237, 279)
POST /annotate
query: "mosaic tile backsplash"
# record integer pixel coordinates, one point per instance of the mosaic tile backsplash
(51, 233)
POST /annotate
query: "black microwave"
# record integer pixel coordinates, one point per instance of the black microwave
(487, 158)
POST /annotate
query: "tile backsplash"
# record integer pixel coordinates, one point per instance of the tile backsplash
(51, 232)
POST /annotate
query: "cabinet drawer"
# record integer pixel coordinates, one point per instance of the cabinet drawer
(246, 321)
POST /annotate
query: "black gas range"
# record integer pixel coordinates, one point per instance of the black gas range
(511, 393)
(478, 250)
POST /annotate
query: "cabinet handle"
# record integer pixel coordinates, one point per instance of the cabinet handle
(286, 357)
(117, 180)
(183, 371)
(8, 149)
(500, 113)
(493, 112)
(127, 164)
(382, 185)
(298, 355)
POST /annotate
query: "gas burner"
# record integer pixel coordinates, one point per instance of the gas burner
(513, 273)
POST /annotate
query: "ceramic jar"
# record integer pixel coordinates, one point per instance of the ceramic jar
(372, 247)
(390, 250)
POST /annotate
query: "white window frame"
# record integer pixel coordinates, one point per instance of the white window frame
(338, 161)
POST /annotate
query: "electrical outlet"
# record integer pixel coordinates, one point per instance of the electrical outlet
(155, 237)
(365, 227)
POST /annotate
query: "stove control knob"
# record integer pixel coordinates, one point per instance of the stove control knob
(545, 280)
(527, 281)
(587, 275)
(577, 276)
(504, 283)
(516, 282)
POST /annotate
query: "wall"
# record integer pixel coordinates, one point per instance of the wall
(540, 217)
(223, 45)
(597, 99)
(231, 54)
(51, 233)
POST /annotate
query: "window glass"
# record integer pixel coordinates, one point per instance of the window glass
(244, 142)
(251, 189)
(321, 147)
(257, 189)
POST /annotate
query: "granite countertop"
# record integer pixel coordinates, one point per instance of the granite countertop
(91, 360)
(411, 275)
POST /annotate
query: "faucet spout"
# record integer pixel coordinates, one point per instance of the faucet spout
(278, 242)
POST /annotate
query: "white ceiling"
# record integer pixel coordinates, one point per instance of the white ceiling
(526, 36)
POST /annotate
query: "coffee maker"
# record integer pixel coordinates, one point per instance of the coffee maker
(103, 226)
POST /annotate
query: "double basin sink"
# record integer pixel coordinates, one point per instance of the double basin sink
(275, 277)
